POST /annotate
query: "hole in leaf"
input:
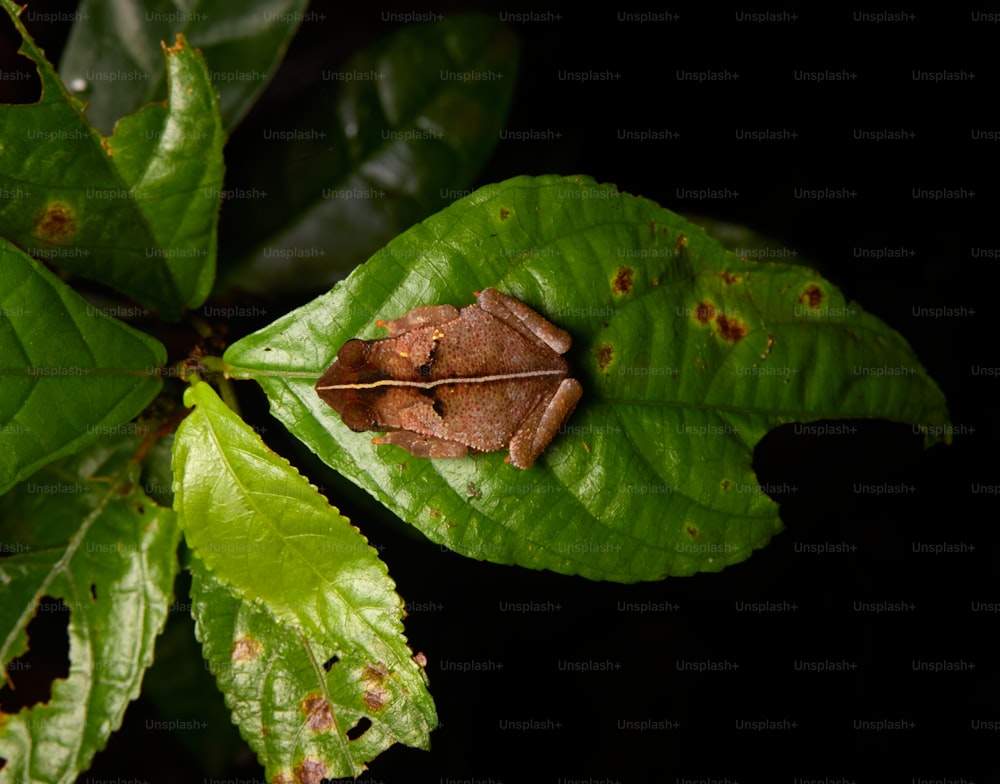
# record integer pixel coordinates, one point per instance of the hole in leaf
(359, 729)
(30, 676)
(328, 664)
(824, 454)
(799, 463)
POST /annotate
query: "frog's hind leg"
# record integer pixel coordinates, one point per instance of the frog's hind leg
(543, 423)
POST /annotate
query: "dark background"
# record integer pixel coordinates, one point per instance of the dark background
(457, 617)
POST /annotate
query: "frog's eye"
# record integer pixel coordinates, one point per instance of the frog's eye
(358, 416)
(354, 354)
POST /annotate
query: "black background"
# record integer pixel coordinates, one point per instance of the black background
(457, 616)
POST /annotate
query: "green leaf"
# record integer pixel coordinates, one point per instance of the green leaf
(687, 354)
(290, 709)
(68, 373)
(137, 211)
(114, 49)
(83, 532)
(301, 586)
(394, 135)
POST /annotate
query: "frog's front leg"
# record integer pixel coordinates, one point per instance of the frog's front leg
(420, 434)
(423, 446)
(422, 316)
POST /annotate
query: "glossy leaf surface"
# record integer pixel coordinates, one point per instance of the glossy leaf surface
(113, 52)
(68, 372)
(397, 132)
(82, 532)
(688, 355)
(293, 584)
(136, 211)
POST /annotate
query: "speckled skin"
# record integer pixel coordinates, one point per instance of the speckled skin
(515, 391)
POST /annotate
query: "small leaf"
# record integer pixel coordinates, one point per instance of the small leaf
(114, 49)
(388, 139)
(83, 532)
(687, 353)
(137, 211)
(301, 585)
(294, 699)
(68, 373)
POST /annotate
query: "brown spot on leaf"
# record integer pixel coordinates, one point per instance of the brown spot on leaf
(692, 531)
(604, 356)
(812, 296)
(375, 699)
(310, 771)
(504, 213)
(729, 277)
(731, 329)
(420, 659)
(623, 280)
(725, 484)
(375, 673)
(374, 676)
(282, 778)
(473, 491)
(681, 243)
(246, 649)
(177, 47)
(434, 512)
(316, 708)
(56, 224)
(704, 312)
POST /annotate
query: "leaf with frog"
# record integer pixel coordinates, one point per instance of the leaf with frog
(687, 354)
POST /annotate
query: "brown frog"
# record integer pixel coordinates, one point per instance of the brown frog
(487, 377)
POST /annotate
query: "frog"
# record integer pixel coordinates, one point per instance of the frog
(446, 381)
